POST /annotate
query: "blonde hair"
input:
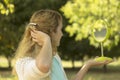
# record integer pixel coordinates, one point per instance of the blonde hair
(46, 21)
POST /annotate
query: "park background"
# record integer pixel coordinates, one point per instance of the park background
(77, 44)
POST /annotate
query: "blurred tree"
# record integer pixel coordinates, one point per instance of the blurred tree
(83, 13)
(76, 50)
(6, 7)
(114, 52)
(13, 25)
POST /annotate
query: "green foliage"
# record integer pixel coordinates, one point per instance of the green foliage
(76, 50)
(83, 13)
(6, 7)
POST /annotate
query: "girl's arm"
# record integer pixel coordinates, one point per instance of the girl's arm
(80, 75)
(44, 58)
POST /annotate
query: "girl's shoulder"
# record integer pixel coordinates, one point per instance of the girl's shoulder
(57, 57)
(22, 61)
(28, 67)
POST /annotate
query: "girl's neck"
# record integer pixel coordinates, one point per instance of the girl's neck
(54, 51)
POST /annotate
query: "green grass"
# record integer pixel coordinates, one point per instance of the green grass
(97, 75)
(93, 74)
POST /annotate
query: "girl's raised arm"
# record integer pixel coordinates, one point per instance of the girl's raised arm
(44, 58)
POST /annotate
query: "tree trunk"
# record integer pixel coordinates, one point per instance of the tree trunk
(9, 62)
(73, 64)
(105, 68)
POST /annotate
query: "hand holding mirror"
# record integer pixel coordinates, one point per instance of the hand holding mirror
(101, 33)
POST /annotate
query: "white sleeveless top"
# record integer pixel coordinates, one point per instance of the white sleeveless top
(27, 70)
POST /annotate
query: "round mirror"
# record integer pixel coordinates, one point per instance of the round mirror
(100, 31)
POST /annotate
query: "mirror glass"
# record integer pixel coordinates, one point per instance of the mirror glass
(100, 31)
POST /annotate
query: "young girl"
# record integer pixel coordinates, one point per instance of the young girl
(37, 52)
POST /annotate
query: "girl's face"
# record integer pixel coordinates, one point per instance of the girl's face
(57, 36)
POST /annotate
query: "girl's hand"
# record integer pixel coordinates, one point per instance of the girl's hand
(93, 62)
(39, 37)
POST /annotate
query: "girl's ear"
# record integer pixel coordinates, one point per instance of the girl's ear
(52, 32)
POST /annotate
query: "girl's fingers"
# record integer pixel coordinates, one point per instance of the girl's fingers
(33, 39)
(107, 62)
(35, 31)
(33, 34)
